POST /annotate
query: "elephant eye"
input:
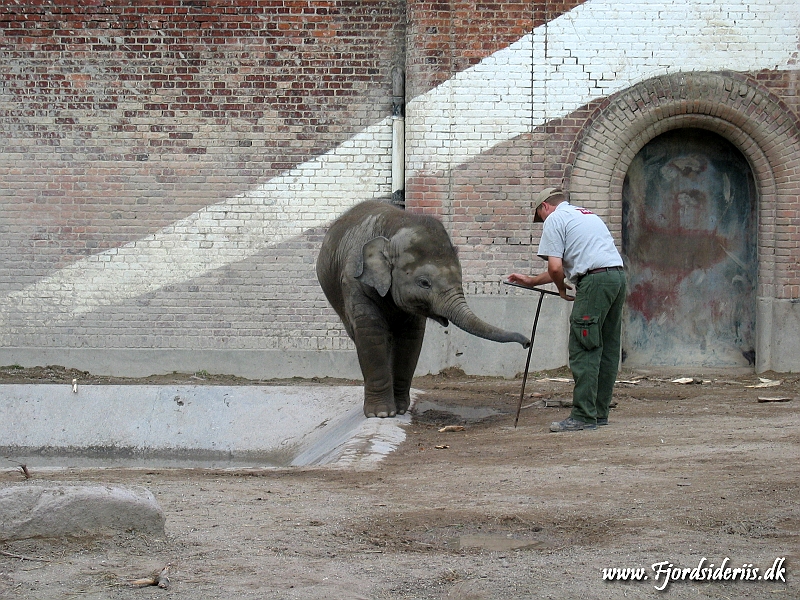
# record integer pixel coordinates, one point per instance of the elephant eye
(424, 283)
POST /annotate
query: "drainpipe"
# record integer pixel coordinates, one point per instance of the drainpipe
(398, 137)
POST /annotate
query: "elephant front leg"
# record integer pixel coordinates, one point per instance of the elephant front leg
(372, 339)
(407, 346)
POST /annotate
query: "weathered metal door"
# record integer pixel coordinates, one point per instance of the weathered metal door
(689, 240)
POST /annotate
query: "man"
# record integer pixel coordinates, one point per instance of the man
(578, 247)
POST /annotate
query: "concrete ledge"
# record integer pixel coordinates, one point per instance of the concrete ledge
(777, 344)
(274, 426)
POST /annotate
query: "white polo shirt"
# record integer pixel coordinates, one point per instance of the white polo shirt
(580, 239)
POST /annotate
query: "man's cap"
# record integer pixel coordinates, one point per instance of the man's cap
(545, 194)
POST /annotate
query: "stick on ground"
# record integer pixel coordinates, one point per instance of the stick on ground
(159, 578)
(22, 557)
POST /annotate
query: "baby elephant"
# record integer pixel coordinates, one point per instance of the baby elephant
(385, 271)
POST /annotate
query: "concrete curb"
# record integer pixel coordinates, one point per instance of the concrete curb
(276, 426)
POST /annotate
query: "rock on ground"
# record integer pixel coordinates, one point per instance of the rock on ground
(49, 511)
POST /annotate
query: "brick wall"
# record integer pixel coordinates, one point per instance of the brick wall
(167, 169)
(576, 58)
(147, 157)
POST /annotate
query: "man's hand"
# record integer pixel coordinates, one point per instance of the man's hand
(520, 279)
(530, 281)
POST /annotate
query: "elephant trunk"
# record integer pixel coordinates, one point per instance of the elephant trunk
(458, 312)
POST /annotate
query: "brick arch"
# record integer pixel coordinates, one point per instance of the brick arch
(734, 106)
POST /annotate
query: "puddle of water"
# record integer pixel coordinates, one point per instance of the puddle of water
(465, 412)
(497, 543)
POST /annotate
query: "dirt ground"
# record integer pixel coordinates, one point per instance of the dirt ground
(691, 474)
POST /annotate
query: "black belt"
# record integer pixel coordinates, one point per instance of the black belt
(600, 270)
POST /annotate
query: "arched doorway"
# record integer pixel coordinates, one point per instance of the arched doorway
(689, 239)
(737, 108)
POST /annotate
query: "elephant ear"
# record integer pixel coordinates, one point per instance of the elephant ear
(375, 269)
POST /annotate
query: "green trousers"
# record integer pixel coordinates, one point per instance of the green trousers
(594, 343)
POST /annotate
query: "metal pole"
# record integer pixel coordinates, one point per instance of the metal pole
(533, 337)
(398, 137)
(528, 362)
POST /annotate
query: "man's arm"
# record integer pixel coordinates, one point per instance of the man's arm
(530, 280)
(555, 272)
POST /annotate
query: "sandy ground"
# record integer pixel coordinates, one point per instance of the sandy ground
(684, 474)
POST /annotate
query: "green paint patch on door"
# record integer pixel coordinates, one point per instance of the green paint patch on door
(689, 242)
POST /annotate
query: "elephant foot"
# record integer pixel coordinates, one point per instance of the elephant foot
(402, 407)
(379, 410)
(381, 415)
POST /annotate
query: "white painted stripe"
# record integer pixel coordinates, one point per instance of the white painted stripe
(596, 49)
(310, 195)
(593, 51)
